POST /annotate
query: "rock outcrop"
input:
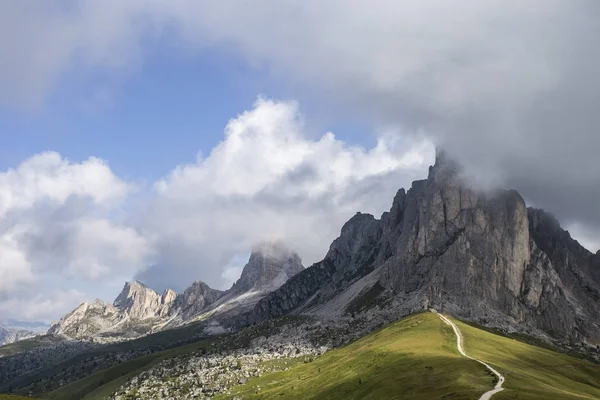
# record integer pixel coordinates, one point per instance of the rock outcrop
(270, 265)
(196, 298)
(482, 256)
(138, 301)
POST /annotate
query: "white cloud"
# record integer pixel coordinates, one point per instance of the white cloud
(41, 306)
(508, 86)
(15, 269)
(49, 177)
(58, 225)
(267, 180)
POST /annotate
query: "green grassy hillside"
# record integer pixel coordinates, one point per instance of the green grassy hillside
(102, 384)
(17, 347)
(533, 372)
(416, 358)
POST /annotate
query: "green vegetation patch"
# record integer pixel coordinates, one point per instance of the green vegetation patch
(18, 347)
(533, 372)
(104, 383)
(415, 358)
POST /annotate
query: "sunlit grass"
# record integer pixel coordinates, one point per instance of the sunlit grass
(415, 358)
(533, 372)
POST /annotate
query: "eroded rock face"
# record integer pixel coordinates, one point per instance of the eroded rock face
(270, 265)
(195, 298)
(482, 256)
(138, 301)
(86, 320)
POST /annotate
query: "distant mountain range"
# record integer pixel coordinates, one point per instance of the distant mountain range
(13, 330)
(484, 257)
(139, 310)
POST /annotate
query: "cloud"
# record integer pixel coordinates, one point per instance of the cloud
(47, 177)
(267, 180)
(59, 227)
(70, 227)
(41, 307)
(15, 269)
(508, 87)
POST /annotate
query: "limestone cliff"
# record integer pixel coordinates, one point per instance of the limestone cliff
(483, 256)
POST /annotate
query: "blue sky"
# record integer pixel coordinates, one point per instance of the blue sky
(174, 105)
(303, 112)
(167, 110)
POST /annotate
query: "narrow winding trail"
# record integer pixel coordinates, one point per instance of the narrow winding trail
(459, 340)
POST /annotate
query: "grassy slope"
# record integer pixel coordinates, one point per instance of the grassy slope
(11, 397)
(160, 338)
(415, 358)
(17, 347)
(533, 372)
(103, 383)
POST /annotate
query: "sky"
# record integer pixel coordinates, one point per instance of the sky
(160, 141)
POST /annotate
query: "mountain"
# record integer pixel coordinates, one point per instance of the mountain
(482, 256)
(139, 310)
(33, 326)
(10, 335)
(196, 298)
(270, 265)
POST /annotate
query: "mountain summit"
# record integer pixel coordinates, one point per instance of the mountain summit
(270, 265)
(483, 256)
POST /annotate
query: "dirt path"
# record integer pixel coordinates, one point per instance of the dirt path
(459, 340)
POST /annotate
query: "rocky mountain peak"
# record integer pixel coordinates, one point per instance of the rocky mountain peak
(131, 291)
(481, 254)
(97, 304)
(445, 167)
(196, 297)
(168, 296)
(138, 301)
(270, 265)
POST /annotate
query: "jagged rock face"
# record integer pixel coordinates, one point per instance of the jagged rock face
(86, 320)
(138, 301)
(136, 305)
(270, 266)
(195, 298)
(350, 256)
(456, 244)
(481, 255)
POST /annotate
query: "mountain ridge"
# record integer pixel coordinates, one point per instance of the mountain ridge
(484, 256)
(138, 310)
